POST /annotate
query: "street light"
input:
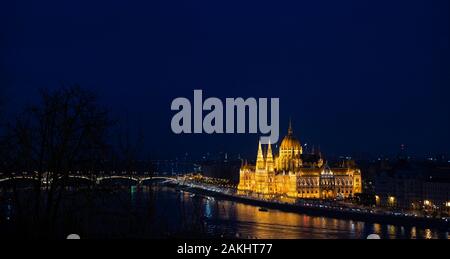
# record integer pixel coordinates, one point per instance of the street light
(392, 200)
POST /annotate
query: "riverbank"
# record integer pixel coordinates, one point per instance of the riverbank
(316, 210)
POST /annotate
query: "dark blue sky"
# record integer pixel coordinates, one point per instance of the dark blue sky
(355, 76)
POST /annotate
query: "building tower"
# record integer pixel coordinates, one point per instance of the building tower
(260, 163)
(290, 151)
(269, 159)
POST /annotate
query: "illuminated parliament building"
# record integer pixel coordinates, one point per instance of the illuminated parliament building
(294, 174)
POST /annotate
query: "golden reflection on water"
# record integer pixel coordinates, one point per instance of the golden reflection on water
(428, 234)
(285, 225)
(392, 230)
(247, 221)
(250, 222)
(413, 233)
(377, 228)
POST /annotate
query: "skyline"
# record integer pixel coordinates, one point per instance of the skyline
(224, 127)
(355, 77)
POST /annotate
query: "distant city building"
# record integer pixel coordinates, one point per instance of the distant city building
(410, 185)
(227, 169)
(294, 174)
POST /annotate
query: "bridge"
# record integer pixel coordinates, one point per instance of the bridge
(96, 179)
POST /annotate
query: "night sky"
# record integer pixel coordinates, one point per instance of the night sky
(357, 77)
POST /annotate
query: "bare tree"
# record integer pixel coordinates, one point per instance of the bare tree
(129, 147)
(67, 131)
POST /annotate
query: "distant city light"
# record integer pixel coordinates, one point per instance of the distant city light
(377, 199)
(391, 200)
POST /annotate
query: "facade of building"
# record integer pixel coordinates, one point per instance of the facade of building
(414, 187)
(296, 175)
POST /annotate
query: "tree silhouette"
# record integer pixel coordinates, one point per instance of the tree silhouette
(66, 132)
(129, 147)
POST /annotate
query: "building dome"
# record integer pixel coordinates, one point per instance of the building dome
(290, 142)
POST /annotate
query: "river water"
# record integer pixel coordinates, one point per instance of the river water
(164, 212)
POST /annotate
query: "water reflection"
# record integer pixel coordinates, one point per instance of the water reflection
(158, 212)
(236, 219)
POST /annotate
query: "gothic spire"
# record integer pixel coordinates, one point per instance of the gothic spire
(269, 151)
(260, 163)
(290, 130)
(260, 152)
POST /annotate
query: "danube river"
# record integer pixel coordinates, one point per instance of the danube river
(164, 212)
